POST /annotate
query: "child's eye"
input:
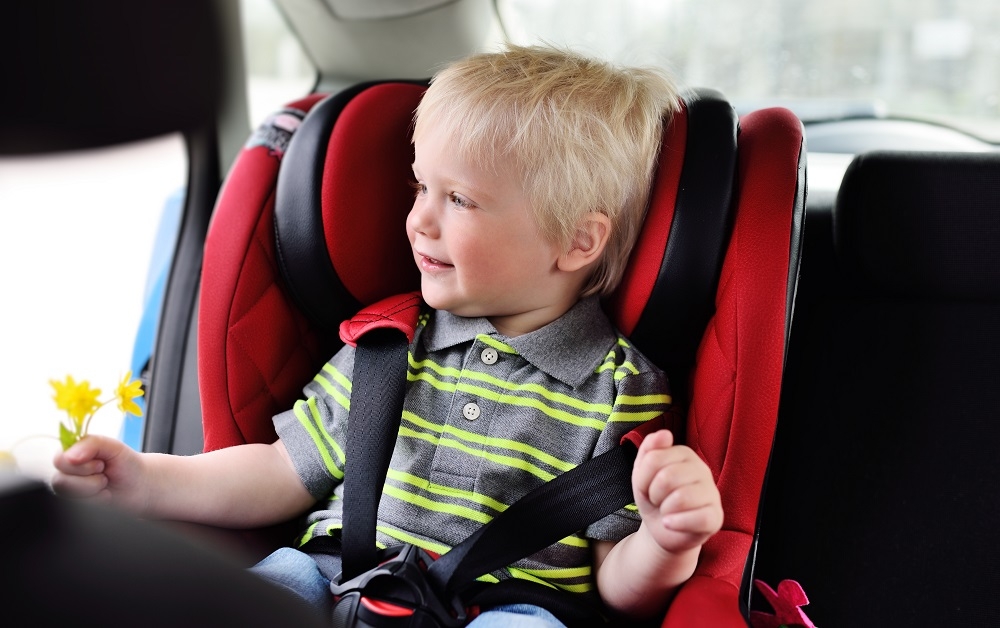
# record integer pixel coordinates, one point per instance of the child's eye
(460, 201)
(418, 188)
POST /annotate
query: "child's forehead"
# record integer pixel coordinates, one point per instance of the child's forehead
(482, 155)
(476, 134)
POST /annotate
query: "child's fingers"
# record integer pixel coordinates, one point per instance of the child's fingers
(656, 469)
(673, 484)
(78, 464)
(705, 520)
(691, 496)
(79, 485)
(99, 447)
(698, 524)
(81, 469)
(660, 439)
(647, 459)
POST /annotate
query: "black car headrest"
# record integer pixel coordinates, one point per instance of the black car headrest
(79, 75)
(921, 224)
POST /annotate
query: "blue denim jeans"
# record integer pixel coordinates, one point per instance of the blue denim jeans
(299, 573)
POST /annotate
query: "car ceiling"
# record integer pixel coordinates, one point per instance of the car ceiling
(354, 40)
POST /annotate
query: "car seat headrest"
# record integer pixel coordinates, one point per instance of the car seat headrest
(667, 294)
(342, 199)
(921, 224)
(84, 75)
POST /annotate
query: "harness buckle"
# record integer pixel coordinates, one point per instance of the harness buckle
(395, 594)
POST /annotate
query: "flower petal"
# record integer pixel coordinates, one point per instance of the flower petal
(128, 389)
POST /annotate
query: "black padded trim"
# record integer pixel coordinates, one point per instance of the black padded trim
(683, 296)
(795, 243)
(922, 224)
(302, 255)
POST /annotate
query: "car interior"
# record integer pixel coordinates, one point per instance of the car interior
(822, 290)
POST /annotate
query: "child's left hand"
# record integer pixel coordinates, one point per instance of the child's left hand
(675, 493)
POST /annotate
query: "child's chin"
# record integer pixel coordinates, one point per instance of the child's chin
(450, 305)
(434, 299)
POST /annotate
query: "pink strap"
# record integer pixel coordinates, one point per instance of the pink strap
(787, 603)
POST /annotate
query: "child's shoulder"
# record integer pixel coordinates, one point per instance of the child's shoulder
(629, 360)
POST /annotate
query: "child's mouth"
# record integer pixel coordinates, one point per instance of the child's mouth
(432, 263)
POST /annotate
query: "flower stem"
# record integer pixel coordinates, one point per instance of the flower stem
(86, 421)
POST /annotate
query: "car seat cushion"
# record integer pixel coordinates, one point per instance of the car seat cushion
(245, 317)
(339, 220)
(734, 399)
(369, 247)
(644, 265)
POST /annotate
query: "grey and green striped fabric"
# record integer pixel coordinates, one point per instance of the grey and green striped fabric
(486, 419)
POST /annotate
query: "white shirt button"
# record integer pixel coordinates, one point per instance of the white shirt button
(489, 355)
(471, 411)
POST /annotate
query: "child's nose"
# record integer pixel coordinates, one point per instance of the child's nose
(421, 219)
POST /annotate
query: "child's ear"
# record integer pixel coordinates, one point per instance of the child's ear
(588, 244)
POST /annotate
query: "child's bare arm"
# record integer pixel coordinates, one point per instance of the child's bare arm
(680, 508)
(244, 486)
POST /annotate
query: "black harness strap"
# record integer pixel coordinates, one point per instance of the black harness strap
(566, 504)
(377, 392)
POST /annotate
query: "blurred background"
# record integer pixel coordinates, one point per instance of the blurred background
(74, 301)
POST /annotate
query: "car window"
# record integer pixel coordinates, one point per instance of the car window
(826, 59)
(74, 254)
(277, 69)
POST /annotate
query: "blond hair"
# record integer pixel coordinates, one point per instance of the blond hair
(583, 134)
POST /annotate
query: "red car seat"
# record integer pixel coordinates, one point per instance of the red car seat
(309, 228)
(736, 379)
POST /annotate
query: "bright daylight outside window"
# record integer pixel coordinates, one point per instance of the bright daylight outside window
(278, 70)
(75, 248)
(926, 59)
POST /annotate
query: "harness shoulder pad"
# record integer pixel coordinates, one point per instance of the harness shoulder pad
(396, 312)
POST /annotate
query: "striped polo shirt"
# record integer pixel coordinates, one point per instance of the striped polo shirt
(486, 419)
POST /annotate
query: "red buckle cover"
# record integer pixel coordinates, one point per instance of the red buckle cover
(386, 609)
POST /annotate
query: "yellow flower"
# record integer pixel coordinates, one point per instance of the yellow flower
(80, 403)
(78, 400)
(128, 389)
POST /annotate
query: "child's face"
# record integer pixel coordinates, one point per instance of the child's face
(475, 241)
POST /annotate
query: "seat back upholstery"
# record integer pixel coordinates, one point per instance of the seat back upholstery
(307, 231)
(736, 379)
(881, 497)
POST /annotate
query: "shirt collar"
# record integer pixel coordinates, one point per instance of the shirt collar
(569, 348)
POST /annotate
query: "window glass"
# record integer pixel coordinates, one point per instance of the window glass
(278, 70)
(922, 58)
(74, 255)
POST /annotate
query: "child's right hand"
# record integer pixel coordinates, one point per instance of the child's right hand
(103, 468)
